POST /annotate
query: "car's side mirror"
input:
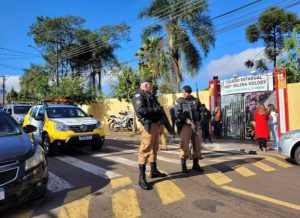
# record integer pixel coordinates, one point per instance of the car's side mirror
(29, 129)
(9, 111)
(39, 117)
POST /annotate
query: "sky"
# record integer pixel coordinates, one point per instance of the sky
(225, 60)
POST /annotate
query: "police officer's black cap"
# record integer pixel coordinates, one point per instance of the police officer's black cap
(145, 80)
(187, 89)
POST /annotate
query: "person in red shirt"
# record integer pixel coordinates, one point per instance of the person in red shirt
(261, 117)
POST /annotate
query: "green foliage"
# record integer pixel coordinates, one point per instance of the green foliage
(12, 96)
(74, 88)
(128, 84)
(292, 62)
(259, 65)
(35, 82)
(272, 26)
(185, 23)
(69, 35)
(153, 60)
(48, 31)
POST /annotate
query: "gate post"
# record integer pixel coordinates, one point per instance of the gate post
(214, 93)
(281, 100)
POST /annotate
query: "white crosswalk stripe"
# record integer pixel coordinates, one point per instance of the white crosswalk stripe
(91, 168)
(116, 159)
(56, 184)
(166, 159)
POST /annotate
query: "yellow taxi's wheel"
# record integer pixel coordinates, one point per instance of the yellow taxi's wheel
(48, 147)
(98, 146)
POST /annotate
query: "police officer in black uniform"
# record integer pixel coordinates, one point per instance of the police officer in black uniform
(188, 113)
(150, 114)
(205, 124)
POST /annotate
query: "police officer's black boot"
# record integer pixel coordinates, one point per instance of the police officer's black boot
(183, 166)
(142, 181)
(154, 173)
(196, 165)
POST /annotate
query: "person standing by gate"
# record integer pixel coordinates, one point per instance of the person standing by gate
(187, 110)
(273, 120)
(205, 122)
(217, 117)
(261, 117)
(150, 114)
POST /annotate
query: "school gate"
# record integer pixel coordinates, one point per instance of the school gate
(238, 97)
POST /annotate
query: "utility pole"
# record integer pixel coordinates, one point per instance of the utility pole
(4, 78)
(57, 76)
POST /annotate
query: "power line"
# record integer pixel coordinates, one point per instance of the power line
(85, 48)
(228, 28)
(19, 52)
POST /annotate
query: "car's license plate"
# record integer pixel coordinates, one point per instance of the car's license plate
(2, 194)
(86, 137)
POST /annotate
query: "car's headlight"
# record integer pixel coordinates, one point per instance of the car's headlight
(61, 127)
(288, 135)
(99, 125)
(36, 159)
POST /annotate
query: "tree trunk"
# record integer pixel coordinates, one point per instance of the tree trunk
(175, 59)
(99, 81)
(176, 67)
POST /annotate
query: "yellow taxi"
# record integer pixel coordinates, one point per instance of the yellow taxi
(63, 126)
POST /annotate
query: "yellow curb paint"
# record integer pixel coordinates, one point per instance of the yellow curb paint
(125, 204)
(120, 182)
(253, 162)
(277, 162)
(215, 175)
(263, 198)
(78, 208)
(169, 192)
(260, 165)
(244, 171)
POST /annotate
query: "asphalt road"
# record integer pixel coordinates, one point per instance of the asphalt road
(104, 184)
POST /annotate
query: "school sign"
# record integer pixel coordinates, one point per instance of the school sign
(246, 84)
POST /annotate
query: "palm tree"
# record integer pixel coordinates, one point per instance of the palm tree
(27, 80)
(185, 23)
(153, 60)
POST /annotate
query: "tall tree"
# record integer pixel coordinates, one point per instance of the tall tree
(81, 51)
(28, 79)
(98, 59)
(272, 26)
(12, 96)
(184, 22)
(153, 60)
(291, 63)
(128, 83)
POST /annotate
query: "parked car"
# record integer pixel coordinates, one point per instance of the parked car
(23, 166)
(64, 127)
(18, 111)
(289, 145)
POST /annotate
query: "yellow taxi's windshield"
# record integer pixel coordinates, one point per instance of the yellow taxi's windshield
(65, 112)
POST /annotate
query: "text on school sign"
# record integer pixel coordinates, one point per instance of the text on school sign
(254, 83)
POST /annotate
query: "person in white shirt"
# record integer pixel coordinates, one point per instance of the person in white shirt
(273, 124)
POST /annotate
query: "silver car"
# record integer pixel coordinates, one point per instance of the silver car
(18, 111)
(289, 145)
